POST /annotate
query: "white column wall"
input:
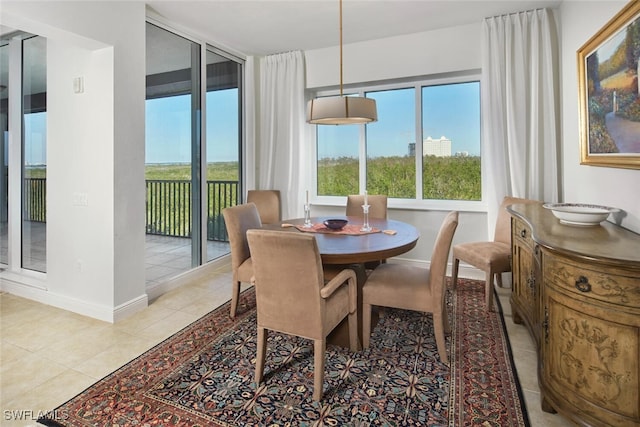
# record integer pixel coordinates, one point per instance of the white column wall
(95, 153)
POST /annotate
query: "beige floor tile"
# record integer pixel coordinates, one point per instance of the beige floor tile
(115, 356)
(52, 393)
(142, 319)
(539, 418)
(207, 303)
(75, 349)
(11, 352)
(164, 328)
(177, 299)
(25, 374)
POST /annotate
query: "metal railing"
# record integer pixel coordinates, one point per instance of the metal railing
(168, 206)
(35, 199)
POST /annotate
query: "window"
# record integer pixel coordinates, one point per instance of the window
(384, 158)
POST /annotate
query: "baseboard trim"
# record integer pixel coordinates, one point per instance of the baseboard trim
(190, 276)
(44, 296)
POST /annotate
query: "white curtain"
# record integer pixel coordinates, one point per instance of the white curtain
(520, 108)
(282, 125)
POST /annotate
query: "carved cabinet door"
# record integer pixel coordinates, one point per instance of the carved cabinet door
(590, 359)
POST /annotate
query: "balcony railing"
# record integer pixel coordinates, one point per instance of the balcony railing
(35, 197)
(168, 206)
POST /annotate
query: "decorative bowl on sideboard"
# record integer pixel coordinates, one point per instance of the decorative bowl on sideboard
(580, 213)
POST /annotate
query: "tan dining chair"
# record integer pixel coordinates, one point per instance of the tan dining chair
(414, 288)
(292, 297)
(238, 219)
(268, 204)
(494, 258)
(377, 210)
(377, 205)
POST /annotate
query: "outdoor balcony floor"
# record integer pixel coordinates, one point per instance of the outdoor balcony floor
(165, 257)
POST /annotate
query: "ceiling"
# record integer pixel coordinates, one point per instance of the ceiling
(263, 27)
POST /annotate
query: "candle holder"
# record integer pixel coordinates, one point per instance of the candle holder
(365, 224)
(307, 216)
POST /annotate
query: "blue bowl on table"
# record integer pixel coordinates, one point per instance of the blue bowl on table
(335, 224)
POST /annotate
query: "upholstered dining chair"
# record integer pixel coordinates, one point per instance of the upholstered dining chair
(494, 258)
(413, 288)
(292, 297)
(377, 209)
(377, 205)
(238, 219)
(268, 204)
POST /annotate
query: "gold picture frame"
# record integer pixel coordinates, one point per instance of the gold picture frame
(609, 93)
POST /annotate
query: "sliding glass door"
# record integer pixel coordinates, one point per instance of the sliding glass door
(34, 154)
(223, 136)
(23, 171)
(192, 152)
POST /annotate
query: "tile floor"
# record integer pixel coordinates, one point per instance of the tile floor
(49, 355)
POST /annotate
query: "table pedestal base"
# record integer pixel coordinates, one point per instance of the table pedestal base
(340, 335)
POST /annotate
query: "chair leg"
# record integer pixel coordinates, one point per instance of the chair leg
(319, 348)
(235, 296)
(261, 352)
(366, 325)
(488, 291)
(354, 342)
(445, 319)
(438, 330)
(454, 273)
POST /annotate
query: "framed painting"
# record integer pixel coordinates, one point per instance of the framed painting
(608, 70)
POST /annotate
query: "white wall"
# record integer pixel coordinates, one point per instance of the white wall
(428, 53)
(95, 146)
(590, 184)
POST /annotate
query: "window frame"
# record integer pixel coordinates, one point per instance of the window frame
(395, 203)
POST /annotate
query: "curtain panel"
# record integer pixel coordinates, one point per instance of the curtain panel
(520, 85)
(281, 121)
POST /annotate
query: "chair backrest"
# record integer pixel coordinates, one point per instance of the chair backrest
(288, 275)
(503, 222)
(440, 254)
(238, 219)
(377, 205)
(268, 203)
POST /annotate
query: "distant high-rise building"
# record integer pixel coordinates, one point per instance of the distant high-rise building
(436, 147)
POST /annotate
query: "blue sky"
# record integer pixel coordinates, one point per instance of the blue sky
(168, 121)
(448, 110)
(452, 111)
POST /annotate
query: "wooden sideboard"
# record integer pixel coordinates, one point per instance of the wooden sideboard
(577, 290)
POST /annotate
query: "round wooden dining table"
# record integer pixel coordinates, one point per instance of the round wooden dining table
(390, 238)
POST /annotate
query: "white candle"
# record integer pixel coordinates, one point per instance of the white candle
(307, 197)
(365, 198)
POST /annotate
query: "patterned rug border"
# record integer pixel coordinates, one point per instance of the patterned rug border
(227, 325)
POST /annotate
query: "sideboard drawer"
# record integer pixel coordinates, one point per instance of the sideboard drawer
(522, 232)
(604, 285)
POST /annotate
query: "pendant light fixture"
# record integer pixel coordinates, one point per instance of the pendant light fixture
(341, 110)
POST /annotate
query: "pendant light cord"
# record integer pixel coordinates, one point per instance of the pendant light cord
(340, 47)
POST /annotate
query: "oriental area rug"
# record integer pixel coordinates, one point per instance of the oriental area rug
(203, 376)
